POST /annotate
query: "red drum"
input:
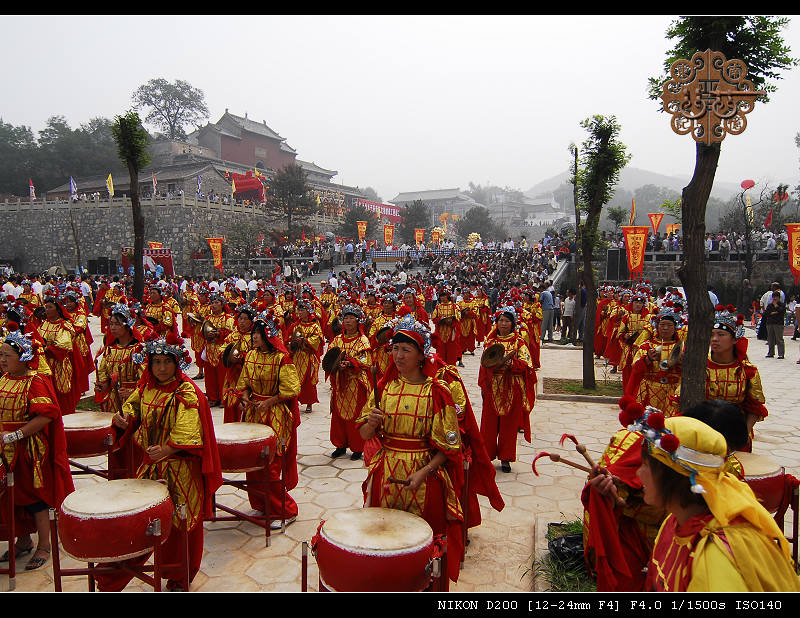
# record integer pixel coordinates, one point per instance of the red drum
(87, 432)
(242, 446)
(374, 549)
(114, 520)
(765, 477)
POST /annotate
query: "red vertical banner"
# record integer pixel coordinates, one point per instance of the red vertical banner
(635, 246)
(362, 229)
(655, 221)
(419, 236)
(435, 237)
(793, 230)
(388, 235)
(215, 244)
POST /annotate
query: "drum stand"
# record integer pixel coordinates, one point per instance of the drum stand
(139, 572)
(7, 497)
(84, 469)
(259, 520)
(465, 510)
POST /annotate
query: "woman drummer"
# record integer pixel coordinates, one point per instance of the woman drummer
(350, 384)
(509, 391)
(33, 445)
(173, 427)
(306, 350)
(268, 387)
(716, 537)
(240, 343)
(61, 353)
(416, 425)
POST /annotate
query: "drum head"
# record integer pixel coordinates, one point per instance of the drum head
(87, 420)
(377, 530)
(239, 433)
(493, 355)
(757, 466)
(331, 360)
(114, 498)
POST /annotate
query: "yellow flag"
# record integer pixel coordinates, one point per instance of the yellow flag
(633, 212)
(110, 185)
(233, 187)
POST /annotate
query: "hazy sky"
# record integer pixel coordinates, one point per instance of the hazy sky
(398, 103)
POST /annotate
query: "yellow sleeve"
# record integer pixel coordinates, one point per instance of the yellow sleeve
(187, 430)
(102, 371)
(524, 355)
(713, 570)
(289, 382)
(370, 403)
(245, 378)
(445, 433)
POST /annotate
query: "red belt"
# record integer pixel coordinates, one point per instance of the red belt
(411, 445)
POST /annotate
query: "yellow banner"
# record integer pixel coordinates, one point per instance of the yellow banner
(655, 220)
(435, 237)
(154, 245)
(388, 235)
(362, 229)
(215, 244)
(793, 230)
(419, 236)
(635, 246)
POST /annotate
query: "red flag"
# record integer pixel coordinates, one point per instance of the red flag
(768, 220)
(31, 189)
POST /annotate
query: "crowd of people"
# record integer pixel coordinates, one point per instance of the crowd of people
(666, 508)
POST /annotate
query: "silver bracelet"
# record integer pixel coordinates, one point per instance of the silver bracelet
(14, 436)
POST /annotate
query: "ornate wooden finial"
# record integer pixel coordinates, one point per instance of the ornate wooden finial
(708, 96)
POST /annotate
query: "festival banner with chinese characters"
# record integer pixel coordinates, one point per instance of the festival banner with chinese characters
(672, 228)
(388, 235)
(362, 229)
(435, 237)
(154, 245)
(215, 244)
(635, 246)
(419, 236)
(655, 221)
(793, 230)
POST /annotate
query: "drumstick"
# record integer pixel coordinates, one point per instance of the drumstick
(398, 481)
(581, 448)
(556, 457)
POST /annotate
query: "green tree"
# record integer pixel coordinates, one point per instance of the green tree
(757, 41)
(289, 196)
(17, 155)
(602, 158)
(372, 194)
(477, 219)
(416, 215)
(171, 106)
(349, 227)
(132, 140)
(618, 215)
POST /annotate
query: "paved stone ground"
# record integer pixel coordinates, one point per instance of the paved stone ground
(502, 549)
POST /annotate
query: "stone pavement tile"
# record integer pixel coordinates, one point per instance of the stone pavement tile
(280, 545)
(227, 583)
(320, 472)
(273, 570)
(314, 460)
(327, 485)
(339, 500)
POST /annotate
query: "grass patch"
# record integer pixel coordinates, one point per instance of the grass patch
(558, 576)
(563, 386)
(87, 404)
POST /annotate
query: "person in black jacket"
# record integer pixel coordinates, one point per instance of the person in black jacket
(774, 318)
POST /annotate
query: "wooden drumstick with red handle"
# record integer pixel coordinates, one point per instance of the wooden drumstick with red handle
(556, 457)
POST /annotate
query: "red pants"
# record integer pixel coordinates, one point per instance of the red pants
(274, 492)
(345, 433)
(215, 378)
(500, 434)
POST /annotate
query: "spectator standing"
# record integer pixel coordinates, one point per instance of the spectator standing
(568, 311)
(774, 316)
(546, 298)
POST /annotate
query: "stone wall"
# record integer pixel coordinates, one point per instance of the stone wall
(34, 237)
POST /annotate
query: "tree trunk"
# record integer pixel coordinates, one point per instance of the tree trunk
(138, 235)
(692, 274)
(588, 238)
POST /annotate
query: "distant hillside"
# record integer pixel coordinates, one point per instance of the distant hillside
(632, 178)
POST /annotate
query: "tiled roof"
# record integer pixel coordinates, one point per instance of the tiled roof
(436, 194)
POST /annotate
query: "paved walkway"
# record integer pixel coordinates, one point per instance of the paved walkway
(501, 551)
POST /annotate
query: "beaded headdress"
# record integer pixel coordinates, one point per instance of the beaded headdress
(417, 331)
(725, 318)
(22, 344)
